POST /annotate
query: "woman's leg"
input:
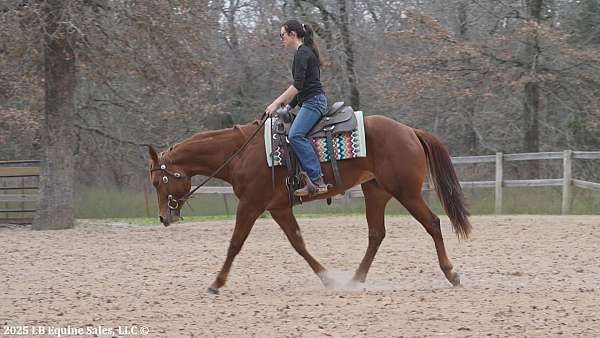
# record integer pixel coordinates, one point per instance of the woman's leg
(306, 119)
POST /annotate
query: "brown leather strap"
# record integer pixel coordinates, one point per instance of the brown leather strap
(291, 165)
(272, 159)
(333, 158)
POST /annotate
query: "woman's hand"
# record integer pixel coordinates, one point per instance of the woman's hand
(272, 108)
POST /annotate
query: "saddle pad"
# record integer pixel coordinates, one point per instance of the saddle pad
(348, 144)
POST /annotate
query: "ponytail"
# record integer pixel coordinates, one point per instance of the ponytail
(306, 33)
(310, 42)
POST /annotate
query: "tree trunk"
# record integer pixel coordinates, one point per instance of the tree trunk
(531, 107)
(55, 206)
(234, 44)
(469, 101)
(531, 97)
(349, 49)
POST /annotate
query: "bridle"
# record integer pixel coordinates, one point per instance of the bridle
(173, 203)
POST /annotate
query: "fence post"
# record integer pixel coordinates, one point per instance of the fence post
(499, 179)
(4, 185)
(146, 199)
(23, 197)
(567, 176)
(226, 204)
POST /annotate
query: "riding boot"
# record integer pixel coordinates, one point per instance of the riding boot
(317, 188)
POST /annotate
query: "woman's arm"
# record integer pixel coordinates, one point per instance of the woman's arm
(282, 100)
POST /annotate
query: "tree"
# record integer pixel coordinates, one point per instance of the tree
(341, 20)
(349, 48)
(587, 29)
(55, 207)
(485, 75)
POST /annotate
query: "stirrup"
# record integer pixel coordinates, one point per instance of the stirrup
(321, 189)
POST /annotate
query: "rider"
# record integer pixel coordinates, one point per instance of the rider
(307, 92)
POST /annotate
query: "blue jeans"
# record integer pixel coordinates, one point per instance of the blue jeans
(308, 115)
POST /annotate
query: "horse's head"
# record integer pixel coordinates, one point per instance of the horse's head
(172, 186)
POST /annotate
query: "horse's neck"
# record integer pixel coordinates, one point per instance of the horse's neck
(204, 153)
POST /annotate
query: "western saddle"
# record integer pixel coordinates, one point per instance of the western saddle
(339, 118)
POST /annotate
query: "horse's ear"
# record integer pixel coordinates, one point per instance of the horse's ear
(153, 154)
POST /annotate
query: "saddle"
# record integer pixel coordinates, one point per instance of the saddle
(339, 118)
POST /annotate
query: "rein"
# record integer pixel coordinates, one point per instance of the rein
(189, 194)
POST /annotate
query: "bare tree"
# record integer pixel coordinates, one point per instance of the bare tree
(485, 75)
(55, 207)
(349, 49)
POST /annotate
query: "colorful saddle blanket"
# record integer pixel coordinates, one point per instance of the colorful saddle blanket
(350, 144)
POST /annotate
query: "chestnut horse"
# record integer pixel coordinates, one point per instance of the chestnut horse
(396, 166)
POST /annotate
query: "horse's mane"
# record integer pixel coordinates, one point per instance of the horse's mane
(218, 132)
(207, 135)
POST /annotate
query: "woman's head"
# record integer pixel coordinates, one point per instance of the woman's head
(292, 31)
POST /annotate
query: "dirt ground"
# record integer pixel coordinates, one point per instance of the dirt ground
(533, 276)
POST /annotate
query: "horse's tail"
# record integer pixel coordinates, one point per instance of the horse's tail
(446, 182)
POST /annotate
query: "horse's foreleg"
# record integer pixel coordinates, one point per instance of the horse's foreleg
(375, 201)
(287, 221)
(246, 215)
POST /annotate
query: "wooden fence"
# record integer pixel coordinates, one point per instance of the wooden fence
(19, 183)
(567, 181)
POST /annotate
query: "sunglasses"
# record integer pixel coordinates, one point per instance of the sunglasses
(281, 35)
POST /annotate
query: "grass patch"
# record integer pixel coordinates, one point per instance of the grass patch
(119, 205)
(194, 219)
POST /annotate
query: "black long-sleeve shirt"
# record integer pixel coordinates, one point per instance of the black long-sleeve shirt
(307, 75)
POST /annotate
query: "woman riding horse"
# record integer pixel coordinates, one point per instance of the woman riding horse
(307, 92)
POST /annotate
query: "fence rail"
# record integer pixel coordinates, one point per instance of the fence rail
(586, 185)
(15, 170)
(567, 181)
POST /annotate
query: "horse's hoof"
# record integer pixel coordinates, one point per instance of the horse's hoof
(354, 284)
(455, 280)
(213, 291)
(328, 282)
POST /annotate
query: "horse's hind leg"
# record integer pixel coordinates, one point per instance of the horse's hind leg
(375, 201)
(414, 203)
(287, 221)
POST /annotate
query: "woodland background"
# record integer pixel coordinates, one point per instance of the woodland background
(484, 75)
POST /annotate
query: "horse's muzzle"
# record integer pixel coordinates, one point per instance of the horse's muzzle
(166, 221)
